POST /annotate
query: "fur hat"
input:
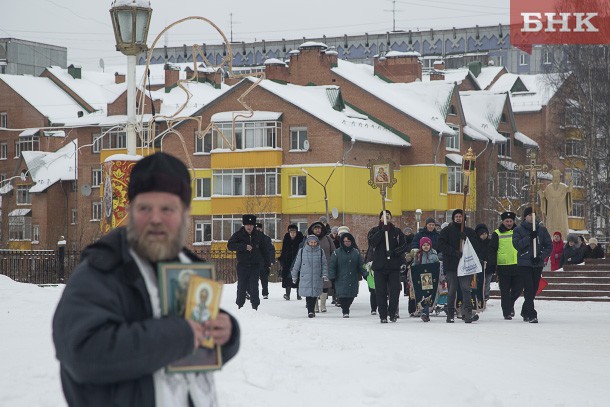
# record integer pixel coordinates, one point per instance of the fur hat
(259, 225)
(160, 172)
(527, 211)
(592, 240)
(508, 215)
(342, 230)
(572, 238)
(248, 219)
(430, 220)
(455, 213)
(408, 231)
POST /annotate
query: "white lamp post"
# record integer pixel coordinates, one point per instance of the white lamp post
(130, 21)
(418, 217)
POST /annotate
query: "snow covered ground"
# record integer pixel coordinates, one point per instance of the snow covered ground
(287, 359)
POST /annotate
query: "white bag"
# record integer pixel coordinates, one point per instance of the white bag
(469, 262)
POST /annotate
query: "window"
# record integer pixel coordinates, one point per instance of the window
(96, 210)
(3, 151)
(298, 186)
(452, 110)
(203, 144)
(23, 195)
(96, 145)
(504, 149)
(203, 232)
(27, 143)
(112, 139)
(509, 184)
(35, 233)
(522, 59)
(578, 209)
(578, 177)
(503, 118)
(74, 216)
(96, 177)
(453, 142)
(546, 57)
(500, 60)
(454, 179)
(223, 226)
(248, 135)
(574, 148)
(203, 187)
(3, 119)
(250, 182)
(19, 228)
(298, 136)
(572, 115)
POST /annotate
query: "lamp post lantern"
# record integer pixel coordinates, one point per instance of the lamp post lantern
(130, 22)
(418, 217)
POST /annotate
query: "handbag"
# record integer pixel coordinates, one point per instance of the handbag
(469, 262)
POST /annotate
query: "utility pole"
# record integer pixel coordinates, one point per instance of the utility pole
(231, 24)
(393, 11)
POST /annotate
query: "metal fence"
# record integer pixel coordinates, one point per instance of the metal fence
(56, 266)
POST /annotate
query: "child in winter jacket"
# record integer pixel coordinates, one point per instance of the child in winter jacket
(311, 270)
(557, 252)
(425, 255)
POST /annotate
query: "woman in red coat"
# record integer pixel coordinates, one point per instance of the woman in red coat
(557, 251)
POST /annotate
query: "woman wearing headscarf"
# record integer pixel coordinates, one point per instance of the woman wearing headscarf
(345, 267)
(310, 269)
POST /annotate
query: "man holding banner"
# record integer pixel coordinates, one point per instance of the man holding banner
(450, 244)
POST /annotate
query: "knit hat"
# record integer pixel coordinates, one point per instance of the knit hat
(424, 240)
(160, 172)
(312, 238)
(408, 231)
(572, 238)
(455, 213)
(480, 229)
(248, 220)
(323, 219)
(388, 213)
(334, 229)
(430, 220)
(508, 215)
(342, 230)
(293, 227)
(527, 211)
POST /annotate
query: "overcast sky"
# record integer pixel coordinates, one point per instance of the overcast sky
(84, 26)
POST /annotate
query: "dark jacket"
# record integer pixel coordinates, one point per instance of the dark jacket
(258, 256)
(524, 245)
(572, 255)
(270, 248)
(449, 245)
(398, 246)
(345, 267)
(423, 232)
(481, 246)
(290, 247)
(106, 339)
(597, 253)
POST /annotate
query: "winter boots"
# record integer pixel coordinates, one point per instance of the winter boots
(323, 298)
(450, 316)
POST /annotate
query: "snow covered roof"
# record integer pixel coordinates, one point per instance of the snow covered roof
(487, 75)
(525, 140)
(505, 83)
(257, 115)
(509, 165)
(540, 89)
(28, 132)
(274, 61)
(46, 168)
(313, 44)
(483, 111)
(455, 158)
(425, 102)
(315, 100)
(19, 212)
(45, 96)
(201, 95)
(398, 54)
(485, 78)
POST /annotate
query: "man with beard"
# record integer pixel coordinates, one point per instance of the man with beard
(252, 256)
(110, 338)
(386, 265)
(502, 259)
(450, 244)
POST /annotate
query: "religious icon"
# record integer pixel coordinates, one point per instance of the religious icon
(426, 281)
(381, 174)
(203, 302)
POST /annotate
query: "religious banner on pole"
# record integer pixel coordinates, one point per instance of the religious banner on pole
(382, 177)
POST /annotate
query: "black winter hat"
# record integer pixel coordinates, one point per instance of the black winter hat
(248, 219)
(508, 215)
(259, 225)
(430, 220)
(160, 172)
(527, 211)
(293, 227)
(481, 227)
(455, 213)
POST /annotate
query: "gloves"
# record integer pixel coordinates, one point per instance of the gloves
(463, 235)
(533, 234)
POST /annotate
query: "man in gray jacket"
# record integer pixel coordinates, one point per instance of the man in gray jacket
(111, 340)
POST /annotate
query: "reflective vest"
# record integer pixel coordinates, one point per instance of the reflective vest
(507, 254)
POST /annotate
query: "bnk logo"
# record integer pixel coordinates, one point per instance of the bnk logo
(559, 22)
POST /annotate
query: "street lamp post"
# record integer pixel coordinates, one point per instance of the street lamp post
(323, 185)
(130, 22)
(418, 217)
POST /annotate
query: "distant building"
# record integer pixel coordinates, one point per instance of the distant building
(20, 57)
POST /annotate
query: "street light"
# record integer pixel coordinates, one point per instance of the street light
(418, 217)
(130, 22)
(323, 185)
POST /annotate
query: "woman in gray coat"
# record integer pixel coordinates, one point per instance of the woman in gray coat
(345, 267)
(311, 270)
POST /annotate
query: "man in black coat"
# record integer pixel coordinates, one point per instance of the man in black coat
(429, 231)
(110, 338)
(290, 248)
(270, 260)
(386, 265)
(450, 244)
(252, 256)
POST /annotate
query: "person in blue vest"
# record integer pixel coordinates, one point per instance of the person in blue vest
(502, 260)
(530, 263)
